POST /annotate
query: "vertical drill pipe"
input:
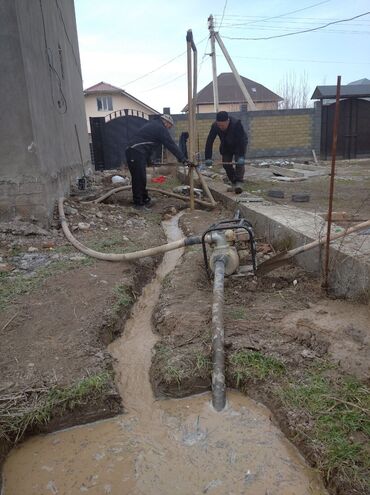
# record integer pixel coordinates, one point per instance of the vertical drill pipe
(190, 116)
(218, 351)
(332, 176)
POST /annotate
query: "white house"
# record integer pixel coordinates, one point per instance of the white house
(103, 99)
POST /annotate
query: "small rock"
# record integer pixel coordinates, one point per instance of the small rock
(83, 226)
(99, 214)
(173, 210)
(306, 353)
(32, 249)
(48, 245)
(68, 210)
(5, 267)
(295, 282)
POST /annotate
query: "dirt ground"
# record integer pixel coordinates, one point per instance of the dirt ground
(284, 316)
(60, 309)
(351, 186)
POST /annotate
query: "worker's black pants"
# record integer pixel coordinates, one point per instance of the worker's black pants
(235, 173)
(137, 162)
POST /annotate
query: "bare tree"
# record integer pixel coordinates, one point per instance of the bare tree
(294, 90)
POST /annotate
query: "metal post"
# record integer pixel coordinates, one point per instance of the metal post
(247, 96)
(214, 68)
(332, 176)
(189, 37)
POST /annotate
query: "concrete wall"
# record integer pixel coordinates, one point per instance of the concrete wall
(42, 102)
(271, 133)
(119, 102)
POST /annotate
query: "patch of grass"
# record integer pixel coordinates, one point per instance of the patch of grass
(237, 313)
(338, 411)
(203, 362)
(173, 373)
(21, 413)
(112, 244)
(170, 183)
(123, 297)
(13, 286)
(253, 364)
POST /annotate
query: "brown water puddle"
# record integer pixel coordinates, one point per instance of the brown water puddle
(162, 447)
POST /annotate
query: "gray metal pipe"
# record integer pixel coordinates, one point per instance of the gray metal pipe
(218, 351)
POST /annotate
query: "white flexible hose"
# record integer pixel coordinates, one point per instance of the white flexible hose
(124, 256)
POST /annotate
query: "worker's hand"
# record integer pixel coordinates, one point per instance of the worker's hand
(208, 163)
(240, 161)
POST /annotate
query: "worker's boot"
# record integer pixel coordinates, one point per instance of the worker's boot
(238, 187)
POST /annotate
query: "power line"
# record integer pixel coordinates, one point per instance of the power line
(155, 70)
(164, 84)
(223, 14)
(160, 67)
(302, 60)
(299, 32)
(287, 13)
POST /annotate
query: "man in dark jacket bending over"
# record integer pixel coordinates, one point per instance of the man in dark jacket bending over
(138, 153)
(234, 142)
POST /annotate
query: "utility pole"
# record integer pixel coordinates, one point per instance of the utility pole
(214, 68)
(247, 96)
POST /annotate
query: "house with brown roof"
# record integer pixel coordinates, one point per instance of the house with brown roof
(231, 98)
(103, 99)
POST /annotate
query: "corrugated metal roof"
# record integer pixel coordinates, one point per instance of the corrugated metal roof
(229, 91)
(347, 91)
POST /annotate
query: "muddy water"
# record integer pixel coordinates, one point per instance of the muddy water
(162, 447)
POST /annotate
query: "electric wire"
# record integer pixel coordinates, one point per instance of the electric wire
(60, 105)
(68, 38)
(298, 32)
(160, 66)
(223, 14)
(287, 13)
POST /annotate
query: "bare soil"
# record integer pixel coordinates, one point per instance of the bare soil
(351, 187)
(63, 312)
(60, 309)
(284, 316)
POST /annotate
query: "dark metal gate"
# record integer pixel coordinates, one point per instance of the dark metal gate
(353, 132)
(110, 136)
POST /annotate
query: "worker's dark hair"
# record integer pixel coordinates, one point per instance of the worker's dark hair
(222, 116)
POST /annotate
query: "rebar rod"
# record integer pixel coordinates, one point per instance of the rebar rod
(332, 176)
(218, 350)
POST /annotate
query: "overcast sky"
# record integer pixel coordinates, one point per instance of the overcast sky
(121, 41)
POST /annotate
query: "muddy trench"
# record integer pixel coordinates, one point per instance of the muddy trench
(171, 446)
(162, 445)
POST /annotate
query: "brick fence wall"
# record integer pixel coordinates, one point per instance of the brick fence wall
(271, 133)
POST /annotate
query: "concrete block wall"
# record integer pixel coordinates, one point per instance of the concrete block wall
(271, 133)
(41, 107)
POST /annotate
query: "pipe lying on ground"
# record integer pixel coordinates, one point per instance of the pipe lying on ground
(152, 189)
(218, 372)
(187, 241)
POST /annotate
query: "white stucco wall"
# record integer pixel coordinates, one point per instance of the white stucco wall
(119, 102)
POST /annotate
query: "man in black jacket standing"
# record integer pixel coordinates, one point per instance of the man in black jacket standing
(234, 142)
(139, 151)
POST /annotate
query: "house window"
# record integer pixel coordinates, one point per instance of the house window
(104, 103)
